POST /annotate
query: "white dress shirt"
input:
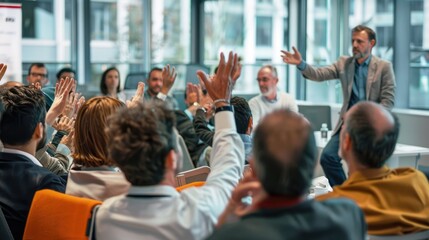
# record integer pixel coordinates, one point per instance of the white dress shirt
(160, 212)
(260, 106)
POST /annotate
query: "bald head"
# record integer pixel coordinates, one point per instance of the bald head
(284, 153)
(373, 131)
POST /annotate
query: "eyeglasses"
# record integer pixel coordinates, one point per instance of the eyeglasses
(41, 75)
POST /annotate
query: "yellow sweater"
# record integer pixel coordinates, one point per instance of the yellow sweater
(394, 201)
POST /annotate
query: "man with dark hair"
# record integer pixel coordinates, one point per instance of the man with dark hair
(284, 157)
(367, 140)
(143, 144)
(156, 88)
(363, 77)
(37, 73)
(22, 131)
(66, 72)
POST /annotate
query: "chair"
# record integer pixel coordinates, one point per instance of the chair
(132, 80)
(189, 185)
(187, 160)
(55, 215)
(5, 233)
(409, 236)
(195, 175)
(317, 114)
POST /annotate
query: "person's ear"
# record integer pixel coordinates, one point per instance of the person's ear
(372, 42)
(249, 126)
(38, 131)
(171, 160)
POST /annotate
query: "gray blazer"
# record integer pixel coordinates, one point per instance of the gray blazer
(380, 85)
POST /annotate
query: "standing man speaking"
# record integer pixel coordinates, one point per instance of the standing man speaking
(363, 77)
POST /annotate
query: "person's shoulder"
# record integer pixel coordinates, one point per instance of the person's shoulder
(243, 229)
(255, 99)
(338, 204)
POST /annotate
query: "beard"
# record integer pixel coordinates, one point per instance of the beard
(41, 144)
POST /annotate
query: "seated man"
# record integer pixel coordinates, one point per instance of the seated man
(157, 89)
(22, 130)
(367, 140)
(144, 146)
(270, 98)
(285, 154)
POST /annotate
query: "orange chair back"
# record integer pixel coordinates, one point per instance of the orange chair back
(55, 215)
(193, 184)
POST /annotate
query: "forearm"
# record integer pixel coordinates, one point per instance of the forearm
(201, 129)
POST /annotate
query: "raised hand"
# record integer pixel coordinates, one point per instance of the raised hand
(192, 93)
(3, 68)
(219, 86)
(72, 102)
(236, 74)
(138, 96)
(168, 78)
(290, 58)
(62, 90)
(236, 208)
(64, 124)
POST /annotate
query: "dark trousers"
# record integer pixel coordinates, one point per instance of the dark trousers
(331, 162)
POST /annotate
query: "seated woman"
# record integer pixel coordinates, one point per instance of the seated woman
(110, 84)
(93, 174)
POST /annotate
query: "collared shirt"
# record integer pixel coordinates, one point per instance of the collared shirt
(359, 82)
(159, 212)
(15, 151)
(377, 191)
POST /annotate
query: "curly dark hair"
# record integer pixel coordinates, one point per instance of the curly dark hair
(242, 114)
(141, 138)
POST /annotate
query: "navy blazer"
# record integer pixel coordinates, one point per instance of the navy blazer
(20, 178)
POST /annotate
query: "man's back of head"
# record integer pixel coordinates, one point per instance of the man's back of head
(242, 115)
(24, 109)
(284, 153)
(140, 139)
(373, 132)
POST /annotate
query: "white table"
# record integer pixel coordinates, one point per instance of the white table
(404, 155)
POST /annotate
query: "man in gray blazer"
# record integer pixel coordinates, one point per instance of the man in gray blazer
(363, 77)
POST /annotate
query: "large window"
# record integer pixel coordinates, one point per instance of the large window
(46, 35)
(264, 26)
(419, 54)
(38, 19)
(116, 38)
(170, 31)
(256, 30)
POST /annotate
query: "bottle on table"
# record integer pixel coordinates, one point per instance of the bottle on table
(324, 132)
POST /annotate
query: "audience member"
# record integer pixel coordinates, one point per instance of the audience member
(285, 155)
(243, 121)
(270, 98)
(110, 84)
(367, 140)
(93, 174)
(156, 87)
(22, 130)
(144, 146)
(37, 73)
(362, 76)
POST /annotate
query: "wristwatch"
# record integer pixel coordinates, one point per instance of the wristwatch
(224, 108)
(196, 104)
